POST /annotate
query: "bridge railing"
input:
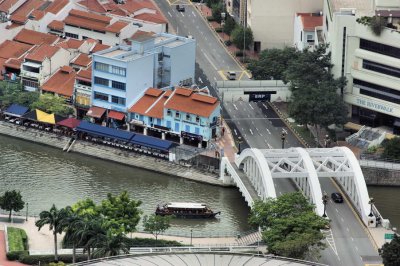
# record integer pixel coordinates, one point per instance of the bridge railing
(238, 181)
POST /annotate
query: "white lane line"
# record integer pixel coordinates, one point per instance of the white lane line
(352, 239)
(257, 129)
(243, 129)
(284, 130)
(209, 60)
(248, 115)
(170, 14)
(235, 131)
(251, 131)
(265, 106)
(269, 146)
(341, 218)
(261, 134)
(251, 106)
(356, 248)
(265, 141)
(238, 123)
(182, 14)
(215, 79)
(200, 80)
(337, 210)
(252, 122)
(347, 229)
(269, 132)
(234, 105)
(205, 38)
(193, 14)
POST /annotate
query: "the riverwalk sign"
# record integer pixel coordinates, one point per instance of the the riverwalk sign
(389, 236)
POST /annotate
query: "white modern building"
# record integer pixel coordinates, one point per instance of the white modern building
(370, 62)
(122, 73)
(272, 21)
(308, 30)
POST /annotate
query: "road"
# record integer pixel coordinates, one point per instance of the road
(260, 127)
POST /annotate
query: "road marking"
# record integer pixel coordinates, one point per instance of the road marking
(261, 135)
(200, 80)
(251, 131)
(235, 131)
(280, 193)
(251, 106)
(252, 122)
(265, 106)
(284, 130)
(212, 64)
(182, 14)
(347, 229)
(193, 14)
(243, 129)
(331, 241)
(356, 248)
(337, 210)
(341, 218)
(234, 105)
(265, 141)
(215, 79)
(352, 239)
(269, 146)
(222, 74)
(269, 132)
(205, 38)
(257, 129)
(248, 115)
(170, 14)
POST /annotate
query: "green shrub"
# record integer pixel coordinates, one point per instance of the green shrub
(150, 242)
(218, 29)
(210, 18)
(60, 263)
(17, 239)
(17, 255)
(46, 259)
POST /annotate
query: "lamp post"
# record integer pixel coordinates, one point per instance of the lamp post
(191, 236)
(325, 201)
(27, 205)
(239, 142)
(283, 138)
(327, 141)
(371, 202)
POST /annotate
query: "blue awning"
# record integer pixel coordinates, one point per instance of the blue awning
(16, 110)
(152, 142)
(96, 130)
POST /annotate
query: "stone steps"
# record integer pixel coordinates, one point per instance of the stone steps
(246, 182)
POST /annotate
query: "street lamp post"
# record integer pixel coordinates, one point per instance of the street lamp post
(325, 201)
(371, 202)
(239, 142)
(327, 141)
(27, 205)
(283, 138)
(191, 236)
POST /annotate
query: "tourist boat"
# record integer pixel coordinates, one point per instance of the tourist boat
(186, 210)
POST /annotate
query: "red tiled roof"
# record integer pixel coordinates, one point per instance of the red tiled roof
(310, 21)
(13, 63)
(35, 37)
(37, 14)
(7, 4)
(42, 52)
(117, 26)
(85, 75)
(96, 112)
(134, 5)
(87, 20)
(99, 47)
(56, 6)
(21, 14)
(153, 92)
(62, 82)
(116, 115)
(93, 5)
(56, 25)
(82, 60)
(150, 96)
(9, 49)
(70, 43)
(155, 18)
(200, 105)
(140, 35)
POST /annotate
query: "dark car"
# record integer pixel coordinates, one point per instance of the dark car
(180, 8)
(337, 197)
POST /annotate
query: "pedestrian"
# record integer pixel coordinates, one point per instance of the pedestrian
(223, 131)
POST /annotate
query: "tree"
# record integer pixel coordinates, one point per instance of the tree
(289, 225)
(241, 37)
(71, 225)
(54, 218)
(121, 213)
(217, 9)
(14, 93)
(52, 104)
(11, 201)
(391, 148)
(86, 208)
(272, 63)
(390, 252)
(229, 25)
(93, 232)
(111, 245)
(156, 224)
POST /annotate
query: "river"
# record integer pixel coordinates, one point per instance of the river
(46, 175)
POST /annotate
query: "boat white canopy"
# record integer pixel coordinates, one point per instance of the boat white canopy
(186, 205)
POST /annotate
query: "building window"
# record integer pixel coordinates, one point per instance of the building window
(380, 48)
(377, 91)
(169, 112)
(380, 68)
(310, 38)
(197, 119)
(118, 70)
(177, 114)
(188, 117)
(101, 66)
(101, 81)
(30, 83)
(151, 119)
(326, 23)
(118, 100)
(301, 36)
(100, 96)
(72, 35)
(118, 85)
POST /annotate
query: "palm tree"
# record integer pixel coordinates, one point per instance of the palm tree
(73, 235)
(53, 218)
(92, 233)
(112, 245)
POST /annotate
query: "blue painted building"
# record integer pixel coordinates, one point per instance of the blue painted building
(185, 113)
(122, 73)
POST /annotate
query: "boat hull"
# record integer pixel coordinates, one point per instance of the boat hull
(190, 215)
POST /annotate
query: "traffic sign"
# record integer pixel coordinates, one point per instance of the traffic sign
(389, 236)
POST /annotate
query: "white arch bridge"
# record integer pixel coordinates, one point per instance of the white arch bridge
(254, 172)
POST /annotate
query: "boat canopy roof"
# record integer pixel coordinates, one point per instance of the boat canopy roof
(186, 205)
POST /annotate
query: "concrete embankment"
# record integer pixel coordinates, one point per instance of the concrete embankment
(381, 177)
(109, 153)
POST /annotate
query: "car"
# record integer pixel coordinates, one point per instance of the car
(337, 197)
(180, 8)
(231, 75)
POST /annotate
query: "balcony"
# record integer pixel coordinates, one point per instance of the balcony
(83, 88)
(29, 74)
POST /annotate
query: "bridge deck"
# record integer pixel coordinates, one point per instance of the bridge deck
(247, 183)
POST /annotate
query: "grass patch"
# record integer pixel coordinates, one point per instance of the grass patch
(17, 239)
(305, 133)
